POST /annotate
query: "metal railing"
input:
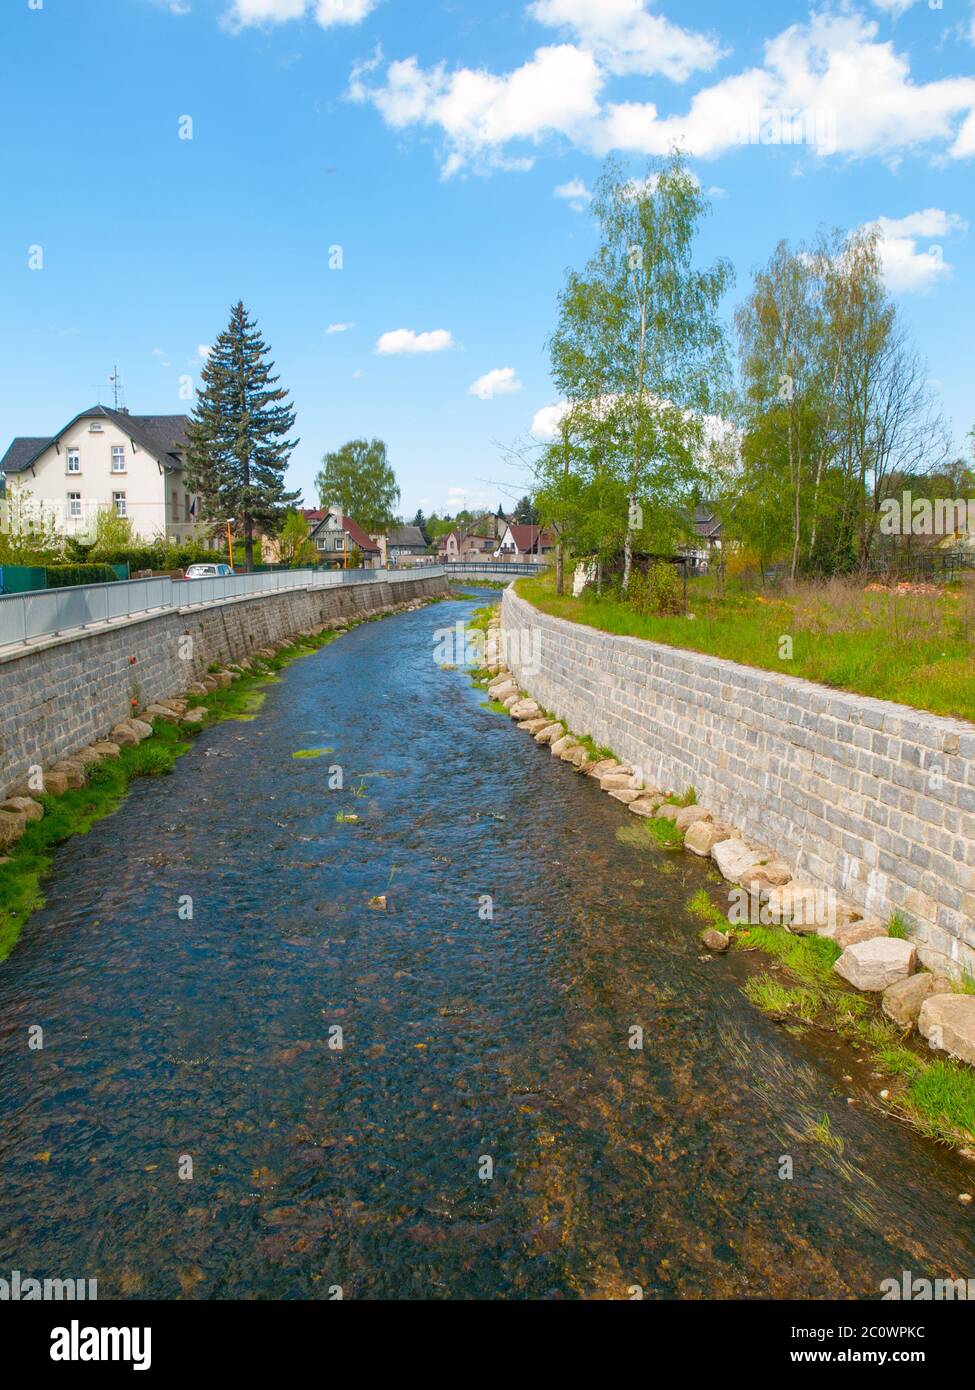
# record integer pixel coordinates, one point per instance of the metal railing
(50, 612)
(513, 569)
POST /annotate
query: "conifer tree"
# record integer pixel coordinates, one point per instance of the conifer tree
(238, 448)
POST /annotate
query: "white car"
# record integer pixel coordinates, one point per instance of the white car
(208, 571)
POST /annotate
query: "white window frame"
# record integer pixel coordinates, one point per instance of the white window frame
(73, 499)
(119, 497)
(74, 456)
(117, 450)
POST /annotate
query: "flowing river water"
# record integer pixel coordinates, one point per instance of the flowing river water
(169, 1041)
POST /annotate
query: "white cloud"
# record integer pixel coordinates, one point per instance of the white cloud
(243, 13)
(627, 38)
(502, 381)
(339, 327)
(203, 351)
(576, 194)
(545, 422)
(906, 267)
(894, 7)
(405, 340)
(478, 112)
(158, 352)
(831, 83)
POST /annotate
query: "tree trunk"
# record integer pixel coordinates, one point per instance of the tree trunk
(249, 546)
(628, 550)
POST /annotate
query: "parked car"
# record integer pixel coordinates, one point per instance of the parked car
(208, 571)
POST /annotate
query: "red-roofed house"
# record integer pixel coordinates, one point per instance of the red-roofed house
(335, 537)
(529, 545)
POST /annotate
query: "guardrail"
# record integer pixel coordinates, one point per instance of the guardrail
(50, 612)
(513, 569)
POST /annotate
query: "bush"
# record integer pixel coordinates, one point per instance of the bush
(62, 576)
(656, 593)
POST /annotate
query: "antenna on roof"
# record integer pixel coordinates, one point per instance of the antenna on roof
(115, 381)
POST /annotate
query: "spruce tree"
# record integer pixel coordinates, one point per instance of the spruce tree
(238, 448)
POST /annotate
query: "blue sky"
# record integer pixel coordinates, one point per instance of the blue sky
(446, 149)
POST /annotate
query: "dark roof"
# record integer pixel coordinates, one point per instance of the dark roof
(163, 436)
(351, 528)
(706, 524)
(22, 452)
(406, 536)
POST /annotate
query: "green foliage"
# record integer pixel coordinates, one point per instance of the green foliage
(63, 576)
(836, 409)
(359, 479)
(293, 541)
(658, 592)
(897, 926)
(238, 450)
(639, 355)
(113, 533)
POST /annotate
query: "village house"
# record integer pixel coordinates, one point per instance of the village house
(101, 460)
(337, 537)
(528, 545)
(403, 545)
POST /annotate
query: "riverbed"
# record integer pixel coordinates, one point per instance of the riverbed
(196, 1126)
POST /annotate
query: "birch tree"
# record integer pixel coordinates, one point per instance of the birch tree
(639, 350)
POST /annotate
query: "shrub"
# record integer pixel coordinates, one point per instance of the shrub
(61, 576)
(665, 589)
(656, 593)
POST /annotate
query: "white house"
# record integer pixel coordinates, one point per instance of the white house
(525, 544)
(102, 459)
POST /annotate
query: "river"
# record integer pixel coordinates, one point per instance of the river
(190, 1127)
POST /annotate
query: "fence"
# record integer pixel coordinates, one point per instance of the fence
(49, 612)
(511, 569)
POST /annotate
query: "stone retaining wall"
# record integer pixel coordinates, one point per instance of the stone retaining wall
(872, 799)
(65, 692)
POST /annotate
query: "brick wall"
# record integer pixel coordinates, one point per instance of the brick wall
(873, 799)
(65, 692)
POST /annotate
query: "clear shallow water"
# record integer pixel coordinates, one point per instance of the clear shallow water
(314, 1167)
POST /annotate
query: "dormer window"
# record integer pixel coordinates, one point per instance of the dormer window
(74, 461)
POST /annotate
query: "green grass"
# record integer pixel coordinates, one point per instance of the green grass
(689, 798)
(595, 750)
(937, 1097)
(310, 752)
(915, 649)
(940, 1099)
(665, 832)
(897, 927)
(820, 1131)
(495, 706)
(773, 997)
(809, 958)
(702, 906)
(75, 813)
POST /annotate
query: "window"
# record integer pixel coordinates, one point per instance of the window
(74, 504)
(118, 502)
(187, 507)
(118, 458)
(74, 461)
(174, 505)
